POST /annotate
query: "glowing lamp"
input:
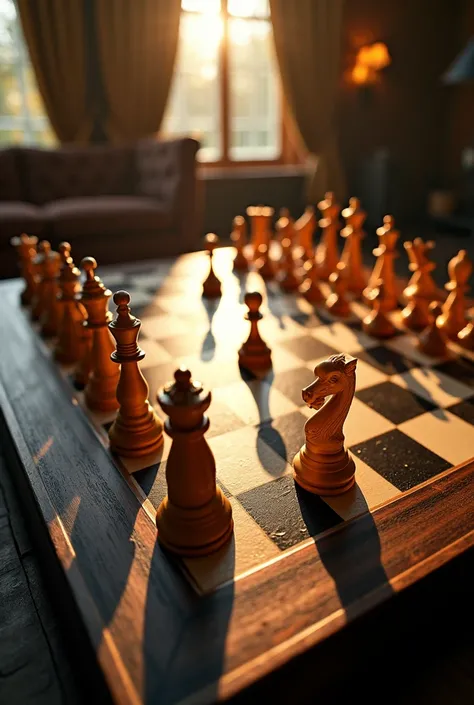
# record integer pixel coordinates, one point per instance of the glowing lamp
(370, 59)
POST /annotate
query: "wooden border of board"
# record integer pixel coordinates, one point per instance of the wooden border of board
(154, 639)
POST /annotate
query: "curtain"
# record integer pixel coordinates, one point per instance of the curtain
(137, 44)
(55, 36)
(307, 36)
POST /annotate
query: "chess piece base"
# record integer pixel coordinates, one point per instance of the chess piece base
(212, 288)
(324, 474)
(311, 292)
(240, 262)
(416, 315)
(338, 306)
(378, 325)
(466, 336)
(195, 531)
(134, 438)
(251, 359)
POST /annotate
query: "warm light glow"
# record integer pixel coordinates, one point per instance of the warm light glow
(360, 74)
(370, 59)
(204, 34)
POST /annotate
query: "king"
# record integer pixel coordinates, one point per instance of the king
(323, 466)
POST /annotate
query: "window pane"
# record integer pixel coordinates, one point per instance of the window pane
(254, 92)
(249, 8)
(193, 106)
(212, 6)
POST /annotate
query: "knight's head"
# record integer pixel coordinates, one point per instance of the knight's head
(332, 376)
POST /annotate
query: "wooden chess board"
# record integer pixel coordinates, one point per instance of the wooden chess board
(410, 430)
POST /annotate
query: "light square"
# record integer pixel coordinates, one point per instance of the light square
(155, 354)
(407, 345)
(343, 338)
(255, 402)
(159, 327)
(432, 385)
(443, 433)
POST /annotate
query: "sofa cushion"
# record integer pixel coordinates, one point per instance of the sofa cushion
(72, 217)
(17, 217)
(73, 172)
(10, 184)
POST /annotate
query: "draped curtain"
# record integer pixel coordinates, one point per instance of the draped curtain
(307, 36)
(54, 33)
(137, 43)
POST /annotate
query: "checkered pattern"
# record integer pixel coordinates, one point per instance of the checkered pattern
(412, 416)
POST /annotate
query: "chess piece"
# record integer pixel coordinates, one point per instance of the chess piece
(337, 301)
(195, 518)
(26, 250)
(69, 344)
(304, 229)
(421, 289)
(254, 355)
(136, 430)
(101, 387)
(327, 255)
(239, 238)
(37, 301)
(453, 316)
(264, 264)
(284, 227)
(309, 287)
(466, 336)
(48, 263)
(351, 253)
(260, 226)
(376, 323)
(433, 340)
(323, 466)
(83, 368)
(384, 266)
(286, 276)
(211, 288)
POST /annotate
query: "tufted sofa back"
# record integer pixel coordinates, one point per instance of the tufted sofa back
(10, 182)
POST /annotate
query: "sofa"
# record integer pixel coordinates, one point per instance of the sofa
(115, 203)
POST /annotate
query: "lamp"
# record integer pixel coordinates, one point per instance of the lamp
(370, 59)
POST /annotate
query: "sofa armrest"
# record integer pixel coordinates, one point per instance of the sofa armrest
(166, 171)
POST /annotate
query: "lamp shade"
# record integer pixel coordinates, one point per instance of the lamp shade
(462, 68)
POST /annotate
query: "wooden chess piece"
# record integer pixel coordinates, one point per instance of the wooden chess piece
(136, 430)
(323, 466)
(351, 254)
(309, 287)
(101, 387)
(83, 368)
(284, 227)
(384, 266)
(453, 316)
(238, 237)
(211, 288)
(69, 344)
(254, 355)
(466, 336)
(49, 263)
(37, 301)
(286, 276)
(376, 323)
(433, 340)
(26, 251)
(304, 229)
(260, 225)
(421, 289)
(327, 255)
(337, 301)
(264, 264)
(195, 518)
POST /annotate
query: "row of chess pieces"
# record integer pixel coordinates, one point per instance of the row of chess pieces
(286, 254)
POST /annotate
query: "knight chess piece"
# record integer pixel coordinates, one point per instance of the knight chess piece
(101, 387)
(69, 344)
(310, 287)
(26, 251)
(238, 237)
(136, 430)
(48, 263)
(195, 518)
(264, 265)
(384, 267)
(433, 340)
(377, 324)
(453, 317)
(211, 288)
(351, 254)
(327, 254)
(323, 466)
(421, 289)
(254, 355)
(337, 302)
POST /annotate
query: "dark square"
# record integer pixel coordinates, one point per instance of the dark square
(292, 382)
(394, 402)
(276, 508)
(399, 459)
(308, 348)
(464, 409)
(388, 361)
(460, 369)
(284, 434)
(152, 480)
(306, 320)
(222, 419)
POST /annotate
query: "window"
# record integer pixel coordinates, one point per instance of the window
(22, 115)
(226, 90)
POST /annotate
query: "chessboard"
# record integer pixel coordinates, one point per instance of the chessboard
(410, 424)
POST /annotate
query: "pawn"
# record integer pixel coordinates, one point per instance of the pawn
(195, 517)
(211, 288)
(26, 249)
(48, 290)
(137, 430)
(433, 340)
(64, 249)
(239, 238)
(69, 345)
(286, 276)
(337, 302)
(466, 336)
(376, 323)
(264, 264)
(254, 355)
(309, 287)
